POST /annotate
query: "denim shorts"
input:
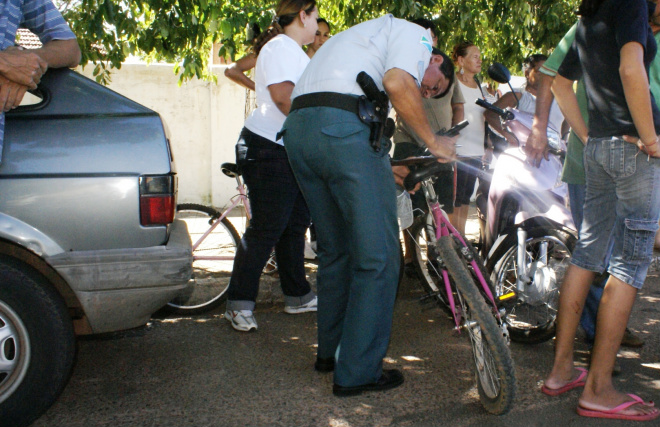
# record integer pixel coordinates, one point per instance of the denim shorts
(621, 210)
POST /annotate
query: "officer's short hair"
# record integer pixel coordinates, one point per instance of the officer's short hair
(447, 70)
(425, 23)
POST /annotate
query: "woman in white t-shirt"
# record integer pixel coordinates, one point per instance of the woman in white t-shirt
(279, 213)
(470, 145)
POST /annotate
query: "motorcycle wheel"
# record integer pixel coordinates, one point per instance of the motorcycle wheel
(531, 317)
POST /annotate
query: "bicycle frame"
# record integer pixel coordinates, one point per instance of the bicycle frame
(241, 197)
(444, 228)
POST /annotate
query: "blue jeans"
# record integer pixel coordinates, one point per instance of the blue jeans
(350, 191)
(621, 210)
(576, 193)
(279, 219)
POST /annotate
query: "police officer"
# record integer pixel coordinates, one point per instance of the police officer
(344, 173)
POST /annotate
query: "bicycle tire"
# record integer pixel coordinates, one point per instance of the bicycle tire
(496, 381)
(474, 254)
(424, 253)
(532, 319)
(207, 288)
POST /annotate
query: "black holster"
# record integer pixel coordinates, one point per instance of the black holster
(372, 110)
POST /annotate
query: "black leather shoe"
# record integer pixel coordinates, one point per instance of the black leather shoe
(326, 364)
(390, 378)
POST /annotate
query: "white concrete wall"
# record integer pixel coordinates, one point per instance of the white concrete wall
(204, 120)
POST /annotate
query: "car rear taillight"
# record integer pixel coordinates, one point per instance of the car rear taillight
(157, 199)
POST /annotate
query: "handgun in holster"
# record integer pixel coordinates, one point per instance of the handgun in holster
(372, 110)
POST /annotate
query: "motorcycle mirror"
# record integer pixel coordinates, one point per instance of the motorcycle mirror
(481, 89)
(499, 73)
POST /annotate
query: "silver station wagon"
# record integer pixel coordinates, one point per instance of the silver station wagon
(88, 240)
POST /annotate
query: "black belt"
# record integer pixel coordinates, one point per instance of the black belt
(326, 99)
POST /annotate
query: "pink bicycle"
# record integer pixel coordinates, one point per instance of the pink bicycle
(453, 275)
(214, 240)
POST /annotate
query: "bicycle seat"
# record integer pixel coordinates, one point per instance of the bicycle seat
(230, 169)
(421, 173)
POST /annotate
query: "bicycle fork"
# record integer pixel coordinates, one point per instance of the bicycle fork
(444, 228)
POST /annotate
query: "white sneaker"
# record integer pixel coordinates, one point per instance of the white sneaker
(242, 320)
(305, 308)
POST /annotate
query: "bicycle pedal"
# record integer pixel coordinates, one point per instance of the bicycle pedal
(432, 297)
(428, 301)
(428, 307)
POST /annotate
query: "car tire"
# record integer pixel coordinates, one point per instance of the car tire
(37, 344)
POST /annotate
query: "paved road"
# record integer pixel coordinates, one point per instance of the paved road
(199, 372)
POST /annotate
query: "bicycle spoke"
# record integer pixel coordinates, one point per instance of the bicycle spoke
(484, 361)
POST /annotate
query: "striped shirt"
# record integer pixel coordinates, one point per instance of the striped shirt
(39, 16)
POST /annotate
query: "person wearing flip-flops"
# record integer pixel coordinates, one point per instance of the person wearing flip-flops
(654, 83)
(613, 48)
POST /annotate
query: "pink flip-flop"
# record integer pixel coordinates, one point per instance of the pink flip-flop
(615, 413)
(578, 382)
(640, 400)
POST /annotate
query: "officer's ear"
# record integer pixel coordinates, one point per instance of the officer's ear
(437, 59)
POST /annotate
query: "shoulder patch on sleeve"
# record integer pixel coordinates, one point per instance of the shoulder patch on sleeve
(424, 41)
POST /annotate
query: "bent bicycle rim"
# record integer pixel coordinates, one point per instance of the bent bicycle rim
(495, 372)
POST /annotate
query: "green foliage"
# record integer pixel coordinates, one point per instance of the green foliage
(506, 30)
(183, 31)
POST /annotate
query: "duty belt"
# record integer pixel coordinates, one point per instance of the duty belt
(326, 99)
(364, 108)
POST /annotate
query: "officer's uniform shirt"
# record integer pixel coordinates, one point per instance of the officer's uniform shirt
(375, 47)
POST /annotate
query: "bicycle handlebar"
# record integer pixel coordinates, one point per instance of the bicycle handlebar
(557, 152)
(410, 161)
(428, 165)
(506, 115)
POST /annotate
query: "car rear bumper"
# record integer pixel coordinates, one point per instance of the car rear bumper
(121, 288)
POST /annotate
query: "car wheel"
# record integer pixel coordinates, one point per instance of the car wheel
(37, 344)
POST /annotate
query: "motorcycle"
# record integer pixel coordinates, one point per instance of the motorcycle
(527, 233)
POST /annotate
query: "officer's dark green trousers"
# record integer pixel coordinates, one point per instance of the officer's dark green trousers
(349, 188)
